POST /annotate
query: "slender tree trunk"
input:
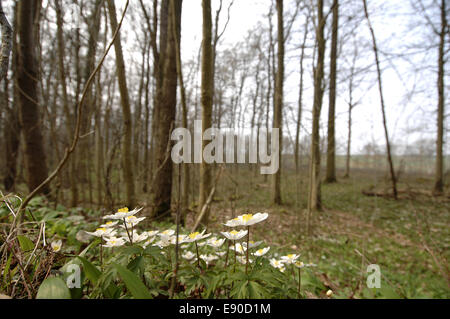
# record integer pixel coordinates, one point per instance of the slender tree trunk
(184, 167)
(331, 149)
(438, 179)
(206, 101)
(314, 199)
(12, 123)
(300, 101)
(166, 120)
(126, 112)
(27, 81)
(277, 112)
(380, 89)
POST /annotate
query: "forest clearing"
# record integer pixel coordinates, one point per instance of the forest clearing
(224, 149)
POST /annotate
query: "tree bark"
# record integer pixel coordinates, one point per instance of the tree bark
(27, 82)
(314, 199)
(166, 109)
(380, 89)
(206, 101)
(331, 148)
(278, 106)
(126, 112)
(438, 179)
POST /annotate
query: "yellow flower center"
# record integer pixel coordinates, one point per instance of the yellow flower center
(233, 232)
(109, 223)
(259, 251)
(194, 235)
(55, 247)
(123, 210)
(247, 217)
(101, 229)
(290, 256)
(112, 242)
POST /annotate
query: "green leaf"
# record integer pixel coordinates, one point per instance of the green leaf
(92, 272)
(25, 243)
(135, 264)
(255, 290)
(133, 283)
(53, 288)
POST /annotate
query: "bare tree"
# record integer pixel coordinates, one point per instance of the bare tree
(331, 149)
(383, 109)
(125, 102)
(206, 101)
(27, 76)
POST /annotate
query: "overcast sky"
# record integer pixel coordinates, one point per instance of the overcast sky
(393, 27)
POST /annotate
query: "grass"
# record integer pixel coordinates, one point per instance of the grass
(408, 238)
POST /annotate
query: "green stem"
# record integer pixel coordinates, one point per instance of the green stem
(198, 256)
(248, 247)
(299, 282)
(128, 233)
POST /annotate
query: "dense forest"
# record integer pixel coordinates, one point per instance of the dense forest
(277, 149)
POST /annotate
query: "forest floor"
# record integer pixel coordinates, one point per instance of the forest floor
(408, 238)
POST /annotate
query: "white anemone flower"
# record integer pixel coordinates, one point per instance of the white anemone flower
(252, 244)
(247, 220)
(137, 237)
(109, 224)
(181, 239)
(276, 263)
(208, 258)
(102, 232)
(123, 213)
(290, 259)
(299, 264)
(235, 235)
(148, 242)
(188, 255)
(261, 252)
(220, 253)
(163, 242)
(196, 236)
(166, 234)
(214, 242)
(152, 233)
(243, 260)
(132, 221)
(56, 245)
(238, 248)
(114, 242)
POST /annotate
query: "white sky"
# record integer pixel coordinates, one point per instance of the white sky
(389, 24)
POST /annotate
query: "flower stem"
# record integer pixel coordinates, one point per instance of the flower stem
(299, 282)
(198, 257)
(248, 241)
(228, 251)
(128, 233)
(101, 253)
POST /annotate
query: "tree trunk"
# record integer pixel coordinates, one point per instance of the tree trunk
(314, 199)
(206, 101)
(331, 148)
(12, 124)
(380, 89)
(125, 102)
(166, 109)
(184, 115)
(278, 106)
(438, 179)
(28, 73)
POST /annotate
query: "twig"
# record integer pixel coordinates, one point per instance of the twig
(208, 201)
